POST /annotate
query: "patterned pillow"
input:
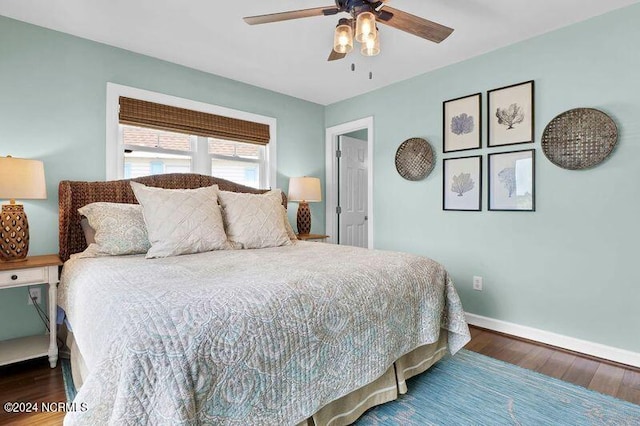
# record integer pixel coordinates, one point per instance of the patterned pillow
(254, 220)
(181, 221)
(119, 229)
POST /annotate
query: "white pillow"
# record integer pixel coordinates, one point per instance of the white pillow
(181, 221)
(119, 229)
(254, 220)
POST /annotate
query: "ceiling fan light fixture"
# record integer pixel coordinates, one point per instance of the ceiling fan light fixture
(366, 27)
(371, 47)
(343, 38)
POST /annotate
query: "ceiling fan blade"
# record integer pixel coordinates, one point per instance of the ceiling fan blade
(334, 56)
(414, 24)
(294, 14)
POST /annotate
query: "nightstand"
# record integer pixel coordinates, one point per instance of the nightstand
(312, 237)
(34, 270)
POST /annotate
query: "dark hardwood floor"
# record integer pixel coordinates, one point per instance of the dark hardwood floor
(606, 377)
(34, 381)
(30, 382)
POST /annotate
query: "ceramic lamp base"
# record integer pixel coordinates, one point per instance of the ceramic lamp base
(304, 218)
(14, 233)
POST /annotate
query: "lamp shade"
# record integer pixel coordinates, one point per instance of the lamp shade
(21, 178)
(305, 189)
(366, 27)
(343, 37)
(371, 47)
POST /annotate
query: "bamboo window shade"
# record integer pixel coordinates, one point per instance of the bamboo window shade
(136, 112)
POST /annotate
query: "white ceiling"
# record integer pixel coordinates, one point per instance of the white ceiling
(290, 57)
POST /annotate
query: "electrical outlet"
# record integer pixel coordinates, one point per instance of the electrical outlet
(477, 283)
(36, 294)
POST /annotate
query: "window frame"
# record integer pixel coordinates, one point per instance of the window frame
(115, 145)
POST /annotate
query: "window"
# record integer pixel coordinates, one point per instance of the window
(153, 152)
(149, 133)
(236, 161)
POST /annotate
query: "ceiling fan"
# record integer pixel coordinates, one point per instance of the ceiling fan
(365, 14)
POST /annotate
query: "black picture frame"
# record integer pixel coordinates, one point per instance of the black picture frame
(455, 185)
(465, 115)
(511, 187)
(511, 108)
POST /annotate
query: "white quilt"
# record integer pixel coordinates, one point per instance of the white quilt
(247, 337)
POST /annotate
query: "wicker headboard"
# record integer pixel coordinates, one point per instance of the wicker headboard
(73, 195)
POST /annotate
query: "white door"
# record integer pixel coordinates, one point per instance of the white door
(352, 192)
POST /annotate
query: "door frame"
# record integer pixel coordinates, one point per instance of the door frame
(331, 179)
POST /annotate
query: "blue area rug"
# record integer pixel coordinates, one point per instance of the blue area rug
(69, 387)
(472, 389)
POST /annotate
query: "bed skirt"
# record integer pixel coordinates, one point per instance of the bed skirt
(349, 408)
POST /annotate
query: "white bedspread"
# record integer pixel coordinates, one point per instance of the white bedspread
(246, 337)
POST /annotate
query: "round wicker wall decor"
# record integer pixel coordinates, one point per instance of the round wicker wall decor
(414, 159)
(579, 138)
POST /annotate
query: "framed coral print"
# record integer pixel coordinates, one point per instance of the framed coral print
(510, 115)
(462, 123)
(512, 181)
(462, 183)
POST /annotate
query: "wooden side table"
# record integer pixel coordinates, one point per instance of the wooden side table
(34, 270)
(312, 237)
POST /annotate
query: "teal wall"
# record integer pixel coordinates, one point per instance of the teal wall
(571, 266)
(53, 108)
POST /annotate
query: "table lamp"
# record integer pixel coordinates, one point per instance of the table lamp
(304, 190)
(23, 179)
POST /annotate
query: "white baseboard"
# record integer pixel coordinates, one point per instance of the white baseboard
(583, 346)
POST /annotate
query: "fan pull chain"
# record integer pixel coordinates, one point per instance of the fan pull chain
(353, 68)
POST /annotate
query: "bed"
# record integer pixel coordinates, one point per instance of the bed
(308, 333)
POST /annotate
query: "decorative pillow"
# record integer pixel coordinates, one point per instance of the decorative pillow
(118, 229)
(290, 232)
(254, 220)
(88, 231)
(181, 221)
